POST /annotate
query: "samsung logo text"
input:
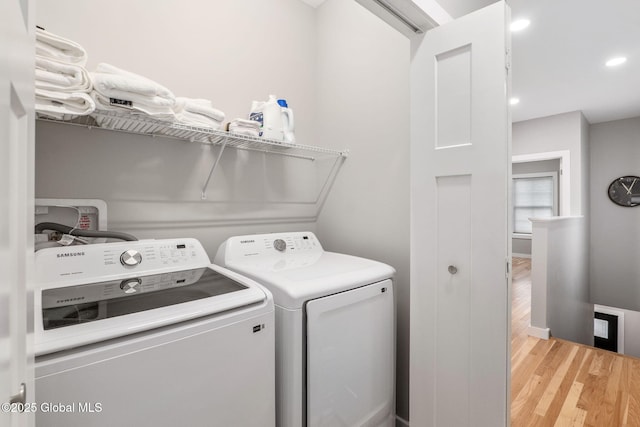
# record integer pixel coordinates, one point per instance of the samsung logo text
(69, 254)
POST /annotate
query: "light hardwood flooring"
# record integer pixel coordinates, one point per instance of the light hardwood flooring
(560, 383)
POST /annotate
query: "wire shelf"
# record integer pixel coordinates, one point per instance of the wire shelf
(143, 125)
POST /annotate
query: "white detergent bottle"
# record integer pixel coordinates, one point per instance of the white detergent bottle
(288, 125)
(269, 114)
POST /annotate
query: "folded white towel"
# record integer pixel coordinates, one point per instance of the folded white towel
(251, 124)
(102, 83)
(244, 131)
(198, 112)
(245, 127)
(198, 106)
(63, 105)
(193, 119)
(56, 75)
(109, 78)
(157, 111)
(53, 46)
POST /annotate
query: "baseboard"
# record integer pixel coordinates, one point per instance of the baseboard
(401, 422)
(542, 333)
(521, 255)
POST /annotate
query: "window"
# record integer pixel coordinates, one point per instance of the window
(534, 196)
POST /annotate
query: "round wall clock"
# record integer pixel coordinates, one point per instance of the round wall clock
(625, 191)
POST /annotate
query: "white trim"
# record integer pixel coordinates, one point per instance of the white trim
(402, 421)
(542, 333)
(555, 219)
(565, 173)
(522, 236)
(436, 12)
(614, 312)
(521, 255)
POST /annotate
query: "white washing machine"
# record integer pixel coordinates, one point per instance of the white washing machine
(149, 333)
(335, 329)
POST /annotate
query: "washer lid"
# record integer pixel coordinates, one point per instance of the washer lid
(71, 316)
(295, 279)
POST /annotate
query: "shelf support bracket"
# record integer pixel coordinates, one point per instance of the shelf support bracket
(213, 168)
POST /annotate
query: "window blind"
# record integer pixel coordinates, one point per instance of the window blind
(533, 197)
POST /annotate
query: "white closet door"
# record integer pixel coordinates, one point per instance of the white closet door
(351, 358)
(17, 69)
(460, 167)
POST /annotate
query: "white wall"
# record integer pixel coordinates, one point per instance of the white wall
(567, 131)
(229, 51)
(560, 279)
(363, 103)
(615, 230)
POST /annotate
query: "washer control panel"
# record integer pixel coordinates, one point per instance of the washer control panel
(95, 261)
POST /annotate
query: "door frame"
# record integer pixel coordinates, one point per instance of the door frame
(564, 179)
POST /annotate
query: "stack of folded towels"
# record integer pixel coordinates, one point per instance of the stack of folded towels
(64, 89)
(123, 91)
(244, 127)
(62, 83)
(198, 112)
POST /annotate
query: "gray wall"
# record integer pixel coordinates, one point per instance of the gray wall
(615, 230)
(522, 246)
(564, 255)
(568, 131)
(363, 103)
(560, 274)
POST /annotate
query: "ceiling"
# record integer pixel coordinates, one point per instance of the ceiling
(558, 61)
(458, 8)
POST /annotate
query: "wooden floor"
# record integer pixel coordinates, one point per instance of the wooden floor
(560, 383)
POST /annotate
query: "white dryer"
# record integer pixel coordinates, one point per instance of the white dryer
(335, 329)
(149, 333)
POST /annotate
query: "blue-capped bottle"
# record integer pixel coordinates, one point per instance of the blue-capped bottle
(269, 115)
(287, 122)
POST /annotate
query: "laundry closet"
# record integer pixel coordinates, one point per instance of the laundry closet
(342, 70)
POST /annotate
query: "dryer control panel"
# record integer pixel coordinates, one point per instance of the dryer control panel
(240, 248)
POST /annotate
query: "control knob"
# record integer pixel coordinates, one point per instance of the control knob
(280, 245)
(131, 258)
(130, 286)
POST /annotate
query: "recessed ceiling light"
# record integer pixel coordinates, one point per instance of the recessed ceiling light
(520, 24)
(616, 61)
(514, 101)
